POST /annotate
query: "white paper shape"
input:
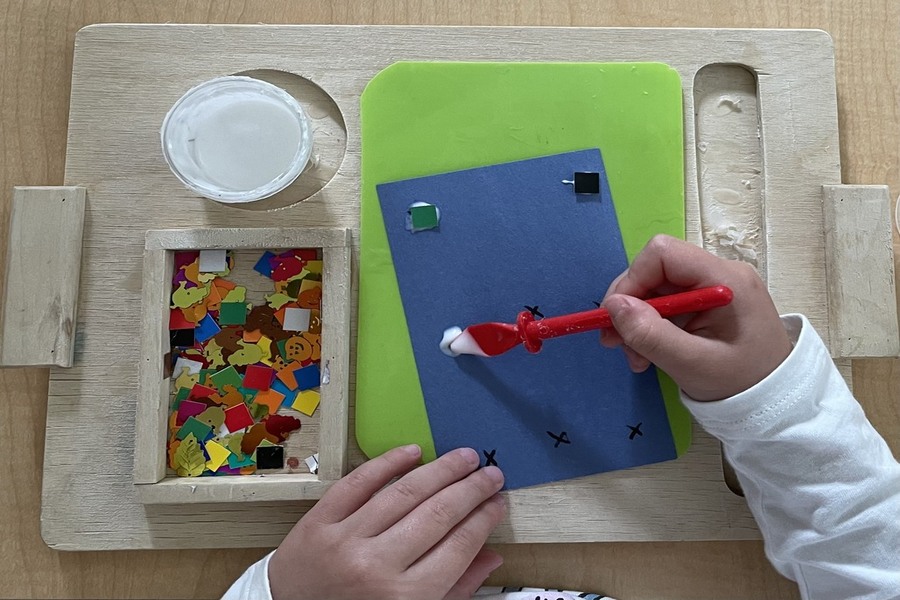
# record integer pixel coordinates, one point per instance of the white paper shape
(313, 463)
(192, 366)
(296, 319)
(213, 261)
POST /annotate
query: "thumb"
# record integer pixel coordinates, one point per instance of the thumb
(642, 329)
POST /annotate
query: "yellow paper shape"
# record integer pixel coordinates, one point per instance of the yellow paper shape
(184, 297)
(299, 275)
(238, 294)
(189, 458)
(248, 354)
(218, 455)
(213, 353)
(314, 266)
(278, 300)
(186, 380)
(309, 284)
(265, 346)
(306, 402)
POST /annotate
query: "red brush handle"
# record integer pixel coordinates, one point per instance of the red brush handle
(532, 332)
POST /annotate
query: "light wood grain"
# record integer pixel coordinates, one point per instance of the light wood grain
(36, 53)
(859, 254)
(37, 326)
(152, 406)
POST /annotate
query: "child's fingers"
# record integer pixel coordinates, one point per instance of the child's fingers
(485, 562)
(398, 499)
(666, 261)
(350, 493)
(429, 523)
(647, 336)
(456, 551)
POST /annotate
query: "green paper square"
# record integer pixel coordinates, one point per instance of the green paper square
(282, 345)
(424, 217)
(193, 426)
(228, 376)
(233, 313)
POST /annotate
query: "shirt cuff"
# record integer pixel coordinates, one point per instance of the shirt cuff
(755, 410)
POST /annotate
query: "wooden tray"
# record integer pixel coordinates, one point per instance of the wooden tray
(761, 142)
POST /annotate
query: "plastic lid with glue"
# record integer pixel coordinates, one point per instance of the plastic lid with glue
(236, 139)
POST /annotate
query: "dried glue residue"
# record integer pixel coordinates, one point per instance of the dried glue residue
(729, 164)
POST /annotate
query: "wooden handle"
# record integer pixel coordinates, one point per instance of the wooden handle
(43, 265)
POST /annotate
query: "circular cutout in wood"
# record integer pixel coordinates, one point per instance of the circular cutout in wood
(329, 138)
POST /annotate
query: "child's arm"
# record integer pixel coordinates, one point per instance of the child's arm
(420, 537)
(820, 481)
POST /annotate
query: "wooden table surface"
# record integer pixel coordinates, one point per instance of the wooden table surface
(35, 74)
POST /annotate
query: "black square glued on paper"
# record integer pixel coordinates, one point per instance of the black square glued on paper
(587, 183)
(270, 457)
(182, 338)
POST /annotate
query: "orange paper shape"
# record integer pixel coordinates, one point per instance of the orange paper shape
(252, 336)
(286, 375)
(271, 399)
(310, 298)
(231, 398)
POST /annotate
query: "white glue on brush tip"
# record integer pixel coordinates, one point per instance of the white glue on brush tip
(456, 342)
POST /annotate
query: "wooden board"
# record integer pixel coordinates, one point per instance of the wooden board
(126, 77)
(38, 318)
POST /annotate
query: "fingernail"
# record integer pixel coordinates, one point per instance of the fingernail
(494, 474)
(496, 562)
(616, 304)
(413, 450)
(469, 456)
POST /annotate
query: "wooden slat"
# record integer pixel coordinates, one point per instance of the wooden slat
(859, 255)
(43, 266)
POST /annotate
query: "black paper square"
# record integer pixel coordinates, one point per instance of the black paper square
(270, 457)
(182, 338)
(587, 183)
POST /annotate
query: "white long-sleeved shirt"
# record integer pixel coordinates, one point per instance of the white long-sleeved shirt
(820, 481)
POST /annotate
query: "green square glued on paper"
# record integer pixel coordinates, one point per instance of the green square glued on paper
(424, 217)
(422, 119)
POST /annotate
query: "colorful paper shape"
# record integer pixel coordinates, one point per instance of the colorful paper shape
(308, 377)
(218, 455)
(213, 261)
(306, 402)
(206, 329)
(232, 313)
(238, 417)
(296, 319)
(258, 377)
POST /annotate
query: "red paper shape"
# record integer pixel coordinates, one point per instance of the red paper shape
(306, 254)
(238, 417)
(201, 391)
(188, 408)
(279, 425)
(177, 320)
(287, 268)
(258, 377)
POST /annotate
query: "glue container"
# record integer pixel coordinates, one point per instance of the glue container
(236, 139)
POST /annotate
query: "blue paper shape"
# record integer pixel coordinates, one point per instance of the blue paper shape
(263, 266)
(513, 235)
(307, 377)
(206, 328)
(289, 394)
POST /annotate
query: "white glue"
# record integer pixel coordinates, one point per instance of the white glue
(456, 342)
(236, 139)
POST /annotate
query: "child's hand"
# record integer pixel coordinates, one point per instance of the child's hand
(711, 355)
(421, 537)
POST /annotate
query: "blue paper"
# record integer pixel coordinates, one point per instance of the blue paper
(262, 266)
(206, 328)
(289, 394)
(513, 235)
(307, 377)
